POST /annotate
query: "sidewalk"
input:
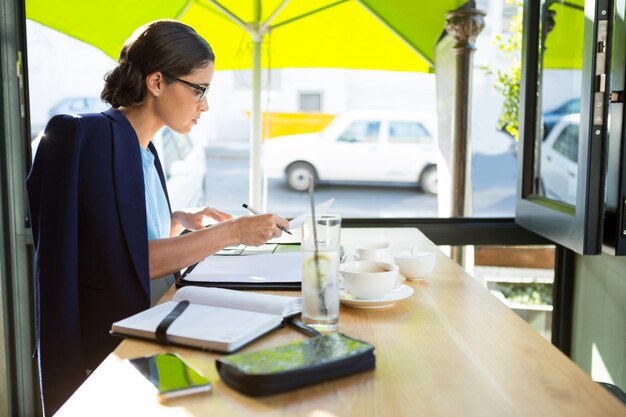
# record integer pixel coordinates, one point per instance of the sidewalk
(228, 150)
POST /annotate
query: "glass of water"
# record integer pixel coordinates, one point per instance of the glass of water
(320, 272)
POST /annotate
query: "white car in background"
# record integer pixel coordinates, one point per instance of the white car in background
(370, 146)
(559, 160)
(184, 165)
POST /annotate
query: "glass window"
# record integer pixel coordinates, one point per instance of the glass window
(366, 177)
(522, 277)
(176, 147)
(170, 151)
(559, 84)
(573, 106)
(351, 121)
(361, 131)
(407, 132)
(563, 86)
(310, 102)
(567, 143)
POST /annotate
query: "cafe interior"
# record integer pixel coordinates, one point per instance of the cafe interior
(451, 347)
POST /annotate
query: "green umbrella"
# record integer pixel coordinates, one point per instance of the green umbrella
(563, 49)
(366, 34)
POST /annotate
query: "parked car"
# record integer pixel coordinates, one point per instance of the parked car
(552, 117)
(75, 105)
(559, 160)
(184, 165)
(371, 146)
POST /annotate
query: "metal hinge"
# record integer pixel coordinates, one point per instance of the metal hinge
(624, 217)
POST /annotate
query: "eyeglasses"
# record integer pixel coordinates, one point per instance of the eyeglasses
(201, 91)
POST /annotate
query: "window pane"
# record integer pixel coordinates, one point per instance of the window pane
(522, 278)
(559, 84)
(66, 76)
(310, 102)
(360, 132)
(567, 143)
(407, 132)
(169, 153)
(384, 123)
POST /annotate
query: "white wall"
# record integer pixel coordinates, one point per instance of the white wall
(341, 90)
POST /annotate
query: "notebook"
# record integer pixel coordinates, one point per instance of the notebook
(277, 270)
(215, 319)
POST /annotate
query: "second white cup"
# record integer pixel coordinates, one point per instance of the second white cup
(376, 252)
(415, 264)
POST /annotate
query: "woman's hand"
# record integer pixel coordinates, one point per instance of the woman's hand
(170, 255)
(196, 220)
(257, 230)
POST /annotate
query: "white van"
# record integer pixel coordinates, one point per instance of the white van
(371, 146)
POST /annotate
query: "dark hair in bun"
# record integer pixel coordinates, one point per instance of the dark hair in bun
(168, 46)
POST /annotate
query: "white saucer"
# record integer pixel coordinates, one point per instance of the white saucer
(400, 292)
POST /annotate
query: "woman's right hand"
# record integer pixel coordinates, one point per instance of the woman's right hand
(257, 230)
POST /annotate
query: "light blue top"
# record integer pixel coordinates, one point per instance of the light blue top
(157, 210)
(158, 216)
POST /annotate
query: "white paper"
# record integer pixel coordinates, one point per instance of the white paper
(241, 300)
(272, 267)
(247, 250)
(319, 209)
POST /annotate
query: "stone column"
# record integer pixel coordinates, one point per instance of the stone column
(464, 24)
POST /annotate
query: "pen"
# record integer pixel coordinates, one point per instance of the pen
(254, 211)
(299, 325)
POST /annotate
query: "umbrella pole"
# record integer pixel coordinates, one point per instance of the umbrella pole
(256, 142)
(256, 32)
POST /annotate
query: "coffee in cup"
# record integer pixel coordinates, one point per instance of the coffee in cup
(368, 279)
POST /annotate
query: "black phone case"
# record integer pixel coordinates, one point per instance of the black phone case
(288, 367)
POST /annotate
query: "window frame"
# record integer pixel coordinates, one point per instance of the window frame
(578, 227)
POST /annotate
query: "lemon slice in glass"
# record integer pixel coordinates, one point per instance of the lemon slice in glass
(310, 276)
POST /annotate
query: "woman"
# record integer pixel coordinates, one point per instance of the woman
(99, 208)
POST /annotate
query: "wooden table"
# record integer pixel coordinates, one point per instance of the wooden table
(451, 349)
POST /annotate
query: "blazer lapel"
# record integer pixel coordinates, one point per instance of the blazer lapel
(130, 192)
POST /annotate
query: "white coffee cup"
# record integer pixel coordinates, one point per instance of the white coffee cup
(415, 264)
(376, 252)
(368, 279)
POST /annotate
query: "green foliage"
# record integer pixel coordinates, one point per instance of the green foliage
(508, 80)
(527, 293)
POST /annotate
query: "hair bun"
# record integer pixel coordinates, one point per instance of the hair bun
(123, 85)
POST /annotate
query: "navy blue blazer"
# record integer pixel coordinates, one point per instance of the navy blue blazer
(87, 205)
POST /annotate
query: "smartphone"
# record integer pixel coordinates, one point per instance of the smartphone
(171, 375)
